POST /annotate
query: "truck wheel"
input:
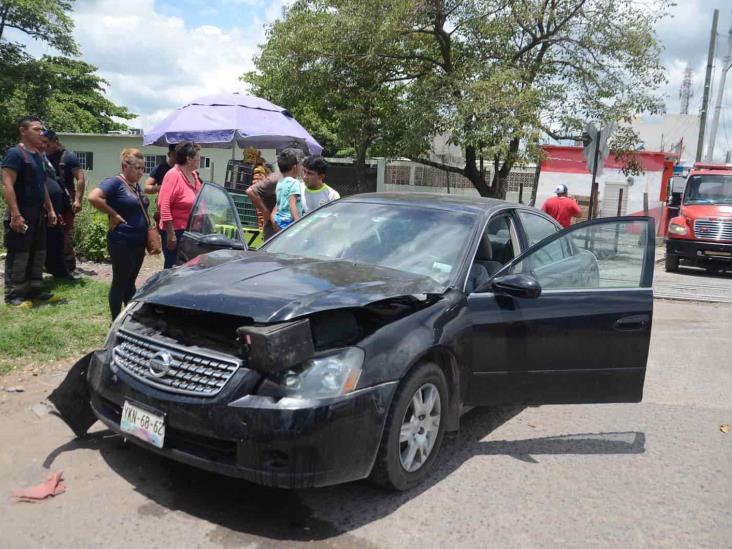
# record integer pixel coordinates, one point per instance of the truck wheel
(672, 263)
(414, 429)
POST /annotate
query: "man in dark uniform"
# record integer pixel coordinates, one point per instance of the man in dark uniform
(61, 201)
(67, 169)
(28, 207)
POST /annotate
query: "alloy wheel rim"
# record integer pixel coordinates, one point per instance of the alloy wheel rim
(420, 426)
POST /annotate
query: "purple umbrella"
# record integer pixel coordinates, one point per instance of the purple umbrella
(222, 119)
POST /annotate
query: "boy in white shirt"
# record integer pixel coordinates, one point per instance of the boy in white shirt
(315, 192)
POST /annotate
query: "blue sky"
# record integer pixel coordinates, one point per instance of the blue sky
(222, 13)
(159, 54)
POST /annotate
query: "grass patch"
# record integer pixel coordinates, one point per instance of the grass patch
(55, 332)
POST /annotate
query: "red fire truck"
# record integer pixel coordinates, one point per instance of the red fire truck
(701, 233)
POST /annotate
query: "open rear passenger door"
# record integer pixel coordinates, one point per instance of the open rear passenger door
(569, 320)
(213, 225)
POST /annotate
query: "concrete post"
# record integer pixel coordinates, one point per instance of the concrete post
(380, 175)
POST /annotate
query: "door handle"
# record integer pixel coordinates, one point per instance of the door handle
(632, 323)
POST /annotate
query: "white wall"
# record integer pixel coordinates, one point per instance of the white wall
(579, 184)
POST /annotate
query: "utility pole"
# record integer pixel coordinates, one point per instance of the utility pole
(593, 186)
(707, 85)
(720, 94)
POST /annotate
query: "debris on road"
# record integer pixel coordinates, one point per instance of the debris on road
(42, 409)
(14, 389)
(724, 427)
(72, 397)
(52, 486)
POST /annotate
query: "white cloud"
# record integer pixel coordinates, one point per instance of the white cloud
(154, 63)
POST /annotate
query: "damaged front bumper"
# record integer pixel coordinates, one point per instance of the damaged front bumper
(287, 443)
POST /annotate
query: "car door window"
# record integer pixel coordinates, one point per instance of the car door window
(600, 255)
(536, 227)
(495, 249)
(214, 213)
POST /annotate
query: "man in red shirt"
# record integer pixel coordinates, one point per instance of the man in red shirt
(561, 207)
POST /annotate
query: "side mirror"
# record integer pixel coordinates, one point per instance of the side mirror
(516, 285)
(674, 201)
(216, 240)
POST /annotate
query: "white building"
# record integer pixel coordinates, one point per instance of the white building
(567, 165)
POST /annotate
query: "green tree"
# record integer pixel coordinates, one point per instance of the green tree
(44, 20)
(496, 76)
(323, 65)
(65, 92)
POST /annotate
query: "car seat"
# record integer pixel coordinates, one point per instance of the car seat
(484, 256)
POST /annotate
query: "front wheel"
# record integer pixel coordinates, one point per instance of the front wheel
(414, 429)
(672, 263)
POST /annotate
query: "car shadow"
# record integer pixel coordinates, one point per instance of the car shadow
(242, 510)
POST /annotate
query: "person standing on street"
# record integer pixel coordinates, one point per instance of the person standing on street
(28, 210)
(61, 201)
(155, 180)
(562, 207)
(289, 189)
(177, 195)
(316, 193)
(122, 199)
(263, 195)
(67, 169)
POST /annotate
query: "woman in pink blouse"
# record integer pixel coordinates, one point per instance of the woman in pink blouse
(177, 196)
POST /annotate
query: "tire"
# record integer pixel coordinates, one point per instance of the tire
(672, 263)
(393, 468)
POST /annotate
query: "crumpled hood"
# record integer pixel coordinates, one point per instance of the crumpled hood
(274, 288)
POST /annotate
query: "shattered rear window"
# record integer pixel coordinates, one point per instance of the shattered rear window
(418, 240)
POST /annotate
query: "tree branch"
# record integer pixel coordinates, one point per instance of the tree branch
(559, 137)
(439, 165)
(4, 17)
(546, 37)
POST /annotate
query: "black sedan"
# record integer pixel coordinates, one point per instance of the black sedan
(349, 343)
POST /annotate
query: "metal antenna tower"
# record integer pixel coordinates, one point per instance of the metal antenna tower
(686, 93)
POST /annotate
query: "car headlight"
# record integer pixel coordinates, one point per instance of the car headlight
(323, 376)
(117, 324)
(674, 228)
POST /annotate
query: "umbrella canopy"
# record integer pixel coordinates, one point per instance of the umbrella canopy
(224, 119)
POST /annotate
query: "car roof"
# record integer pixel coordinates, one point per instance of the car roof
(711, 172)
(452, 202)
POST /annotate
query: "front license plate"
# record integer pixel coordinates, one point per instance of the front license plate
(143, 424)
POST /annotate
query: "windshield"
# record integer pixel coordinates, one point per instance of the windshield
(418, 240)
(709, 189)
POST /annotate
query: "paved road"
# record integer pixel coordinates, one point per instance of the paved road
(692, 284)
(655, 474)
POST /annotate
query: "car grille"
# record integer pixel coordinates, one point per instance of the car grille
(186, 373)
(713, 230)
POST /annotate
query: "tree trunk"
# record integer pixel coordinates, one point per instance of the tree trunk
(499, 185)
(473, 173)
(360, 164)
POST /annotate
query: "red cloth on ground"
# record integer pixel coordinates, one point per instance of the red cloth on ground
(53, 486)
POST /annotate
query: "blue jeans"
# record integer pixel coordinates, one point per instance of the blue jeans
(171, 256)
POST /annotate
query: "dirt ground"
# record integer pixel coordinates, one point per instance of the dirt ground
(103, 271)
(654, 474)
